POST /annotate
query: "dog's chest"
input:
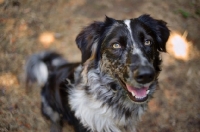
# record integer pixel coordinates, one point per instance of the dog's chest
(98, 117)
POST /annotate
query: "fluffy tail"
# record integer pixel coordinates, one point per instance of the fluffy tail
(38, 67)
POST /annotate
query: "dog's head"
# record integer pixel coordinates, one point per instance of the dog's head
(127, 50)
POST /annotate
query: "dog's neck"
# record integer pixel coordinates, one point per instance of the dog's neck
(94, 100)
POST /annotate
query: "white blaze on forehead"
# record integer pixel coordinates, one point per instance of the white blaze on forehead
(128, 22)
(136, 50)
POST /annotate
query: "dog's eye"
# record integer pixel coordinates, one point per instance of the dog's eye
(116, 45)
(147, 42)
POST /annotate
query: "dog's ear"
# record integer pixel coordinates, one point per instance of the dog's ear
(159, 28)
(87, 40)
(109, 21)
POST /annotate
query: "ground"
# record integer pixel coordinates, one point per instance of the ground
(27, 27)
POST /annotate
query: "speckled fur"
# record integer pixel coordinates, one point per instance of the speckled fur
(92, 96)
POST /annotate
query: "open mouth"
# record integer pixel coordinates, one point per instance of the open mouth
(138, 95)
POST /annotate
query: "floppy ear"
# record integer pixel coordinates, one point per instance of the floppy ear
(87, 40)
(159, 28)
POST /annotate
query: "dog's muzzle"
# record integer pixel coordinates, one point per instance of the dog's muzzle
(142, 75)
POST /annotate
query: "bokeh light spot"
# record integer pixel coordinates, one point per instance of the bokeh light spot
(178, 46)
(46, 38)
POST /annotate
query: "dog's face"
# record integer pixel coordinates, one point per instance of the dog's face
(127, 50)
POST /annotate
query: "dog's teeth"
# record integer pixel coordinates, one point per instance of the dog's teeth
(139, 97)
(148, 91)
(133, 94)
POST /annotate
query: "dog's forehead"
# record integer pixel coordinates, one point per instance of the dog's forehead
(127, 22)
(129, 28)
(136, 50)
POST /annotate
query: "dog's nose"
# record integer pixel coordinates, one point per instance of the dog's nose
(144, 74)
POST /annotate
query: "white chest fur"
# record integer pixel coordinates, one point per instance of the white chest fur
(97, 116)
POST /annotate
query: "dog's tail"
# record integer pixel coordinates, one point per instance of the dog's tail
(39, 65)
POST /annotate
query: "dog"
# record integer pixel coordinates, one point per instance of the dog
(110, 88)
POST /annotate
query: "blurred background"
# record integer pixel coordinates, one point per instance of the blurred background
(31, 26)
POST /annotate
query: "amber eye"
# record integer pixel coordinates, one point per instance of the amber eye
(147, 42)
(116, 46)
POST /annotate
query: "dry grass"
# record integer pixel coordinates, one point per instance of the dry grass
(175, 107)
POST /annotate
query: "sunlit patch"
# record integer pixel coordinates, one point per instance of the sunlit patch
(8, 79)
(178, 46)
(46, 38)
(2, 1)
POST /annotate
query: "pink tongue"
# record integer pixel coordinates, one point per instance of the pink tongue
(139, 92)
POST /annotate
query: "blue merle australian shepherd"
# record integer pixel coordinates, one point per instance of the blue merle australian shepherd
(109, 90)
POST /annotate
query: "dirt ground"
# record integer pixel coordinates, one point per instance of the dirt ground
(30, 26)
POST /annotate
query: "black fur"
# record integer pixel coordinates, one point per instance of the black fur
(115, 77)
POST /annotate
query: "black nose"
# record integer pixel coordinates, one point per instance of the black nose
(144, 74)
